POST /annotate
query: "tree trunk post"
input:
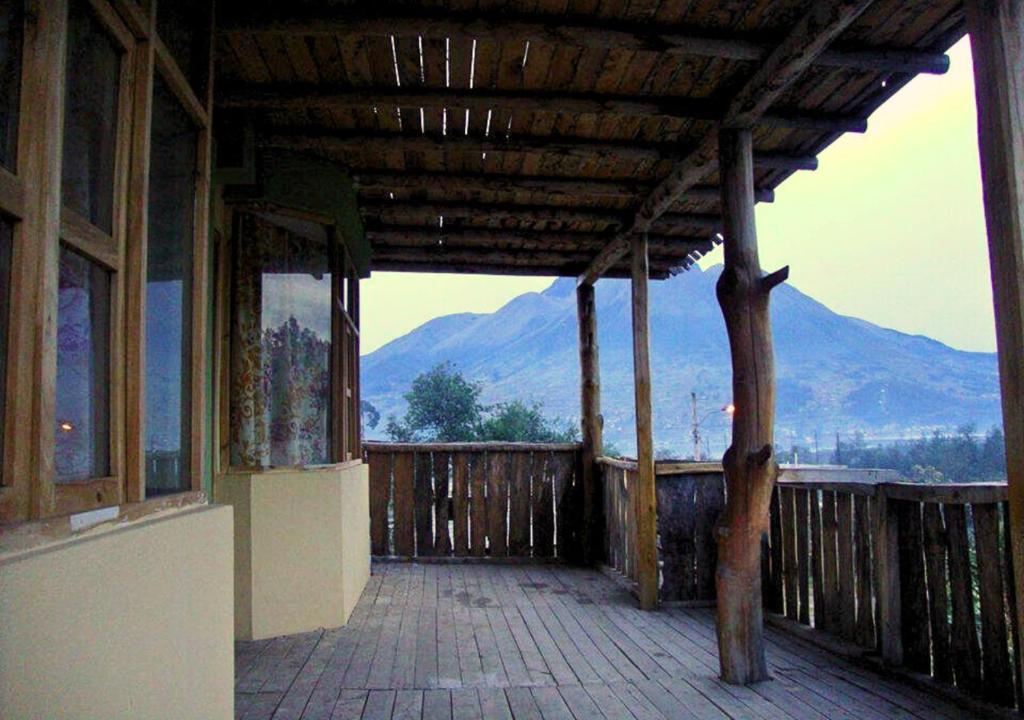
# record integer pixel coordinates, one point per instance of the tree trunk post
(996, 29)
(749, 464)
(590, 414)
(647, 505)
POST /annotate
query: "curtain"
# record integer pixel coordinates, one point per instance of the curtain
(280, 346)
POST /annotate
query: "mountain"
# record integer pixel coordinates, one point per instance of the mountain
(834, 373)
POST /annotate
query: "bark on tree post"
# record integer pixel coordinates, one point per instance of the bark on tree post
(590, 413)
(750, 467)
(647, 505)
(996, 28)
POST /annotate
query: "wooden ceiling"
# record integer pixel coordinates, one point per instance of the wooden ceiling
(532, 136)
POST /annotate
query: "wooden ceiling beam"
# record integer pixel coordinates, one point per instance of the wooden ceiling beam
(658, 272)
(322, 97)
(568, 147)
(521, 239)
(580, 32)
(378, 209)
(807, 40)
(385, 180)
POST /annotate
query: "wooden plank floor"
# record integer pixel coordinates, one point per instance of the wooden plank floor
(503, 641)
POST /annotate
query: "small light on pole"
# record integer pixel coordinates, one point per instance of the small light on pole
(729, 409)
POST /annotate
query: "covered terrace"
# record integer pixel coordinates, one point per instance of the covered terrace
(261, 158)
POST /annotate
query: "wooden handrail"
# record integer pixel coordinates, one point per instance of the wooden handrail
(391, 447)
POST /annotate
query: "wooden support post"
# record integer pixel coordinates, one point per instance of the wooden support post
(590, 419)
(647, 505)
(996, 29)
(749, 464)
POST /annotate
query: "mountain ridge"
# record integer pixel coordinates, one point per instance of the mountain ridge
(835, 373)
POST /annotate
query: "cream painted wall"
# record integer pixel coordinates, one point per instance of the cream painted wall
(130, 623)
(302, 547)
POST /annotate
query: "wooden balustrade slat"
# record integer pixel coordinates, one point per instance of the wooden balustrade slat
(380, 498)
(938, 594)
(817, 576)
(775, 579)
(543, 505)
(497, 503)
(519, 505)
(478, 505)
(460, 504)
(862, 558)
(1011, 601)
(404, 506)
(633, 508)
(789, 575)
(709, 502)
(830, 555)
(844, 544)
(913, 599)
(567, 520)
(964, 636)
(803, 565)
(423, 494)
(997, 674)
(442, 540)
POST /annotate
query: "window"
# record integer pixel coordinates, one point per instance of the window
(281, 343)
(89, 348)
(11, 24)
(6, 241)
(83, 369)
(91, 93)
(169, 269)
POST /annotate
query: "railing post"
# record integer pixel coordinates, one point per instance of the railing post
(887, 579)
(996, 28)
(590, 415)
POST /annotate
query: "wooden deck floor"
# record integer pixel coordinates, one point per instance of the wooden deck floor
(500, 641)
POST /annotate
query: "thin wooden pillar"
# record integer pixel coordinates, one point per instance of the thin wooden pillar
(590, 414)
(647, 505)
(750, 467)
(996, 28)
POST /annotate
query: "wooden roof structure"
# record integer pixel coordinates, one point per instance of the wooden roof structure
(536, 136)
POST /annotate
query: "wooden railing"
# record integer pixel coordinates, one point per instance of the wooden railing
(494, 500)
(690, 498)
(920, 574)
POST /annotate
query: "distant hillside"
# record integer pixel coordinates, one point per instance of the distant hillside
(834, 373)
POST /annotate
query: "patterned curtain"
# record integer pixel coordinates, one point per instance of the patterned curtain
(280, 371)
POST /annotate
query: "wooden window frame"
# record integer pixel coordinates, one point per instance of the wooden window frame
(107, 250)
(32, 197)
(154, 60)
(14, 194)
(344, 355)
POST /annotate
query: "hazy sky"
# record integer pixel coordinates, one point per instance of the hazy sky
(889, 228)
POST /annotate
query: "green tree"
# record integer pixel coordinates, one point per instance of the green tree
(370, 413)
(443, 407)
(518, 422)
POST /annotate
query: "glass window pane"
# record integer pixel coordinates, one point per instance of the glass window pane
(90, 118)
(11, 26)
(83, 369)
(184, 27)
(169, 295)
(6, 241)
(281, 344)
